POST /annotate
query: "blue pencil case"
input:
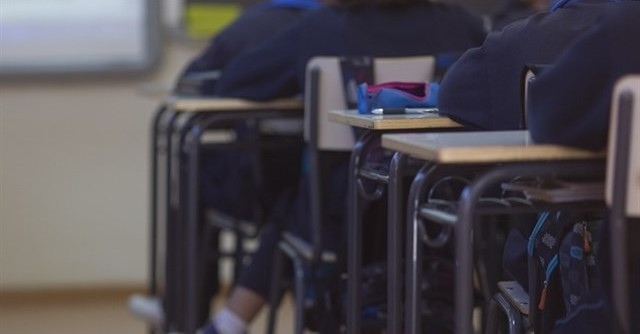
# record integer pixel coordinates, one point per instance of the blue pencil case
(397, 95)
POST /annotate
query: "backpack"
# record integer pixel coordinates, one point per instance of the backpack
(562, 248)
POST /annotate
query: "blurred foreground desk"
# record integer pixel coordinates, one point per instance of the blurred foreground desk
(385, 176)
(501, 155)
(177, 133)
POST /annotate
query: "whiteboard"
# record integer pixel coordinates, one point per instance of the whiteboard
(66, 36)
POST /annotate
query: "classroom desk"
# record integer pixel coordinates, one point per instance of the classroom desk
(375, 125)
(178, 127)
(504, 155)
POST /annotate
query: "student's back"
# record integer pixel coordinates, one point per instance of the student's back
(570, 101)
(482, 90)
(256, 25)
(514, 10)
(277, 68)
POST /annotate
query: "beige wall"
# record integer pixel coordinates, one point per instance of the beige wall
(74, 178)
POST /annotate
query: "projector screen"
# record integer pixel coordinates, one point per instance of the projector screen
(77, 36)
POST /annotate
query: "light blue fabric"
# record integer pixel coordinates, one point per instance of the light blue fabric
(303, 4)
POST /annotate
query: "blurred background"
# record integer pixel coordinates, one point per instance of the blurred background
(79, 82)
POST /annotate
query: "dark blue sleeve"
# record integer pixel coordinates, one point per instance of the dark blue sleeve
(569, 102)
(266, 72)
(464, 91)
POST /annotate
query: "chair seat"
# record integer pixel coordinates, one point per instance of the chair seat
(516, 295)
(304, 248)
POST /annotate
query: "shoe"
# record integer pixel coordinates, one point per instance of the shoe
(147, 308)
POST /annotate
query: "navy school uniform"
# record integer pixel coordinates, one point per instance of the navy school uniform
(225, 174)
(277, 69)
(513, 10)
(249, 30)
(570, 102)
(482, 90)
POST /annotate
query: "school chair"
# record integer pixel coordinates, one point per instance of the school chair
(622, 194)
(327, 88)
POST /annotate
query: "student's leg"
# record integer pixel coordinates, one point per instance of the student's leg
(250, 294)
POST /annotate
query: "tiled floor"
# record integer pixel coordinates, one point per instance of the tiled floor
(101, 314)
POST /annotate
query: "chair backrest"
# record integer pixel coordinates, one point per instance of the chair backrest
(623, 192)
(623, 162)
(529, 73)
(324, 92)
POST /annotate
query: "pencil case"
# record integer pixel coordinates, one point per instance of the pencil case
(397, 95)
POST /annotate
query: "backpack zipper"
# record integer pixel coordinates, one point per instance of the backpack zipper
(551, 266)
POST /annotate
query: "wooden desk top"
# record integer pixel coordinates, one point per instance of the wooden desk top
(194, 104)
(391, 122)
(481, 147)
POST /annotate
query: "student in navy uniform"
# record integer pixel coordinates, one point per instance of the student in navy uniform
(277, 69)
(570, 105)
(570, 101)
(223, 172)
(251, 29)
(482, 90)
(514, 10)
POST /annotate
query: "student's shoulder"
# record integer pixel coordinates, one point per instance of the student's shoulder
(622, 14)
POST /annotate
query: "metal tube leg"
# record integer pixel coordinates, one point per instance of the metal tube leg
(394, 243)
(414, 256)
(192, 227)
(514, 318)
(354, 246)
(275, 289)
(239, 256)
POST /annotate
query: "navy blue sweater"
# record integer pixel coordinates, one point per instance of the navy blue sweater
(482, 90)
(251, 29)
(570, 102)
(277, 68)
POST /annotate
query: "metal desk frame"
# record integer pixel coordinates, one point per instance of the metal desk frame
(575, 164)
(178, 127)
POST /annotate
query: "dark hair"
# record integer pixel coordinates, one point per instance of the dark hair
(381, 3)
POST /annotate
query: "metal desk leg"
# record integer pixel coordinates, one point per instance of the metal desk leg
(354, 244)
(175, 303)
(413, 258)
(160, 147)
(155, 147)
(394, 243)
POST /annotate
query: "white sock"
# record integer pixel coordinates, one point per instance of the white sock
(227, 322)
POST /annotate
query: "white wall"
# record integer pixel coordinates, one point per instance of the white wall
(74, 178)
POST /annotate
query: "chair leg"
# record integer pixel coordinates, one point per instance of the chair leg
(514, 318)
(300, 290)
(298, 276)
(239, 256)
(275, 292)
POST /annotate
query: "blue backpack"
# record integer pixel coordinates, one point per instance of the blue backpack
(562, 247)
